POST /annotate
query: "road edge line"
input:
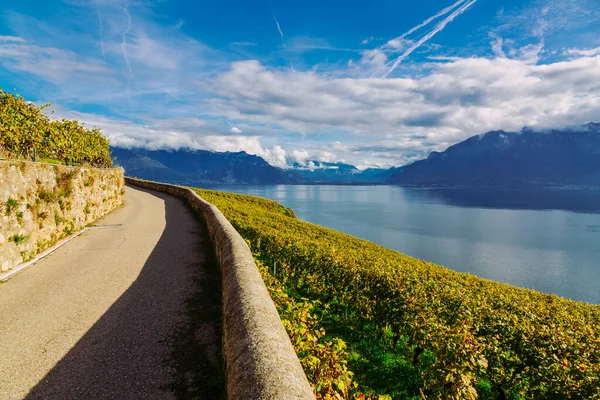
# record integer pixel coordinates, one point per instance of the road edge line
(21, 267)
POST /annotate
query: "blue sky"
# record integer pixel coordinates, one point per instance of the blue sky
(376, 83)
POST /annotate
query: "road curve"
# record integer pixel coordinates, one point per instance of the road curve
(130, 311)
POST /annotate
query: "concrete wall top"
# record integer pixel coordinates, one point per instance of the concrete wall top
(260, 360)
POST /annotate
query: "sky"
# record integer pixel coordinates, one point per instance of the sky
(370, 83)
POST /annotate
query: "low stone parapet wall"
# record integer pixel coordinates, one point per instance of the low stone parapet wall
(259, 358)
(42, 203)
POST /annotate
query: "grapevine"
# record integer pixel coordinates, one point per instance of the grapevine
(27, 133)
(524, 343)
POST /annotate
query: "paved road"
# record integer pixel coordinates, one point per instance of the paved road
(128, 312)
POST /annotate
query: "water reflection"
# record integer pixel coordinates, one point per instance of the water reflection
(586, 201)
(525, 238)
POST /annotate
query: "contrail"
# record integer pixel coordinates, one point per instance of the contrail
(102, 47)
(428, 36)
(428, 20)
(124, 46)
(279, 29)
(101, 31)
(124, 36)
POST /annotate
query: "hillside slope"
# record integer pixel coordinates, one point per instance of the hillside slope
(458, 336)
(509, 159)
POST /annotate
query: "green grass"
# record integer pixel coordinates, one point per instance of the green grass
(69, 229)
(18, 239)
(46, 196)
(380, 364)
(10, 205)
(52, 161)
(58, 219)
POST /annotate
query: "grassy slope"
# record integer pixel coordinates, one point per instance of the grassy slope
(413, 327)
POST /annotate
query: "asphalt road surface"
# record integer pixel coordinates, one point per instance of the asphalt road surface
(129, 310)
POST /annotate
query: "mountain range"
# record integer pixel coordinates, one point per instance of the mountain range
(327, 172)
(512, 159)
(194, 167)
(554, 158)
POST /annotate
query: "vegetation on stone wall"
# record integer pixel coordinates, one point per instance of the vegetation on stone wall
(40, 204)
(423, 330)
(27, 133)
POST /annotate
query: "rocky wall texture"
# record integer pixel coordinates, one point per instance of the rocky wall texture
(41, 203)
(260, 360)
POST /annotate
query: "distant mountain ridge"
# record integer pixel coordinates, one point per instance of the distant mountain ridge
(556, 158)
(327, 172)
(512, 159)
(194, 167)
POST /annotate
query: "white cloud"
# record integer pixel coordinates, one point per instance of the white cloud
(184, 94)
(497, 45)
(531, 53)
(384, 121)
(584, 53)
(538, 19)
(275, 156)
(374, 58)
(398, 44)
(191, 133)
(300, 156)
(251, 44)
(459, 98)
(53, 64)
(167, 66)
(11, 39)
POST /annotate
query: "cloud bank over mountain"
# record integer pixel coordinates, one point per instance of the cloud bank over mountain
(158, 76)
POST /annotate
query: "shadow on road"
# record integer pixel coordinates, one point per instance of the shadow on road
(162, 337)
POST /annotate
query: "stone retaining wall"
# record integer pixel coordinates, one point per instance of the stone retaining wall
(42, 203)
(259, 358)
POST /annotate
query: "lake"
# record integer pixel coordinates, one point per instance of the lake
(547, 240)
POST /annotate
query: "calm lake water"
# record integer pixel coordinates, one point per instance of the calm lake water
(548, 240)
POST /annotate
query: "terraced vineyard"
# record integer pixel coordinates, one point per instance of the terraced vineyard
(27, 133)
(457, 336)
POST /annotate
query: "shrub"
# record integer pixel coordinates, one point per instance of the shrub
(25, 130)
(323, 359)
(18, 239)
(10, 205)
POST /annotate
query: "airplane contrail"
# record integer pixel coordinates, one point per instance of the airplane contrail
(440, 26)
(124, 36)
(101, 31)
(432, 18)
(279, 29)
(124, 47)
